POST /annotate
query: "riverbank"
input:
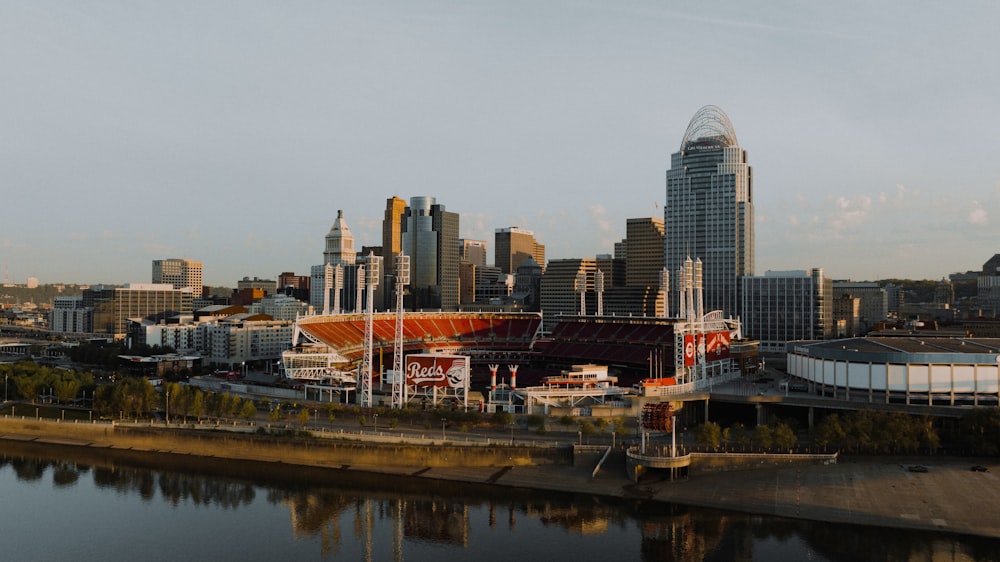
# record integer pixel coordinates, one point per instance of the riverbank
(874, 492)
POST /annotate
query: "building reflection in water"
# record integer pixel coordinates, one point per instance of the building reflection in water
(442, 513)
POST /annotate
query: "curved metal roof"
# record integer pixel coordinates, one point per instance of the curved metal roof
(710, 124)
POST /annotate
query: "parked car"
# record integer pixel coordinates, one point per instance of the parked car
(979, 468)
(917, 468)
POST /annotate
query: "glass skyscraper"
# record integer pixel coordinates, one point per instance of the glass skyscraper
(430, 238)
(709, 209)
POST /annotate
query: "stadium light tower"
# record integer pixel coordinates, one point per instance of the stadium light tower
(580, 286)
(599, 289)
(338, 286)
(371, 274)
(665, 291)
(399, 377)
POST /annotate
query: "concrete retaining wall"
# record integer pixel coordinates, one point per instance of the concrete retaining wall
(271, 448)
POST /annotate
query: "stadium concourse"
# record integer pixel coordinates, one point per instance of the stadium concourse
(631, 346)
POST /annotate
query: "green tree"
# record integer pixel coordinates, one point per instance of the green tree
(235, 406)
(741, 435)
(67, 387)
(198, 404)
(28, 386)
(708, 434)
(784, 437)
(226, 404)
(502, 419)
(249, 411)
(764, 437)
(830, 433)
(303, 416)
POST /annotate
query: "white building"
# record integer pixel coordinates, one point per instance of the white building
(229, 341)
(281, 307)
(911, 370)
(69, 316)
(339, 259)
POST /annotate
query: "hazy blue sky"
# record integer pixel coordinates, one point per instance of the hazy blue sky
(232, 132)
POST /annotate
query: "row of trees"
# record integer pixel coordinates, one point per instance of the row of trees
(979, 432)
(870, 432)
(26, 380)
(778, 436)
(136, 398)
(860, 432)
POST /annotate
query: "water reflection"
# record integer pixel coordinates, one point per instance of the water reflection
(361, 513)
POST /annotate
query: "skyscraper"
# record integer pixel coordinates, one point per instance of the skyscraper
(430, 238)
(784, 306)
(643, 252)
(339, 243)
(392, 243)
(180, 273)
(513, 246)
(338, 250)
(708, 213)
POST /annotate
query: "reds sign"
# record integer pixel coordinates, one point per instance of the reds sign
(426, 370)
(689, 351)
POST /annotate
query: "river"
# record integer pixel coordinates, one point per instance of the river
(63, 504)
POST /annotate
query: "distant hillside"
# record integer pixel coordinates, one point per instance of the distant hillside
(43, 294)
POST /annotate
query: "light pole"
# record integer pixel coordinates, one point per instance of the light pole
(512, 434)
(5, 388)
(375, 417)
(166, 406)
(443, 421)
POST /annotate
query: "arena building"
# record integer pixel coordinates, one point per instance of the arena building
(912, 369)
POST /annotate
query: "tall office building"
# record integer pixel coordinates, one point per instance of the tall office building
(70, 316)
(513, 246)
(339, 243)
(473, 251)
(708, 213)
(392, 244)
(338, 251)
(873, 302)
(784, 306)
(180, 273)
(558, 289)
(430, 238)
(115, 306)
(472, 258)
(988, 286)
(643, 250)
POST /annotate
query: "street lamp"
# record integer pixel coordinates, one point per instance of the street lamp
(512, 424)
(375, 416)
(166, 407)
(443, 421)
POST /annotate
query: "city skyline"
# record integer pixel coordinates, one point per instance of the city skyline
(141, 132)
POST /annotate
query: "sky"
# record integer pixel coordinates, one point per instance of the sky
(232, 132)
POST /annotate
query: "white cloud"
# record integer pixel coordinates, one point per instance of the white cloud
(978, 216)
(849, 214)
(897, 200)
